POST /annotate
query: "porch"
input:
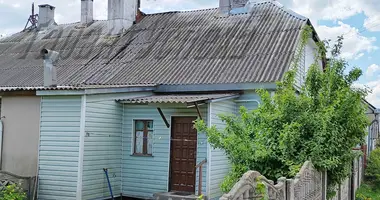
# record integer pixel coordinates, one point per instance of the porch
(162, 153)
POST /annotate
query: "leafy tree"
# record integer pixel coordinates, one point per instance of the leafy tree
(321, 121)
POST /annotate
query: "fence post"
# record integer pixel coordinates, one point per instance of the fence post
(324, 185)
(289, 189)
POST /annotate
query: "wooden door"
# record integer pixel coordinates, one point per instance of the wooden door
(183, 154)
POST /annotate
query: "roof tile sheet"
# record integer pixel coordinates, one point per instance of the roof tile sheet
(194, 47)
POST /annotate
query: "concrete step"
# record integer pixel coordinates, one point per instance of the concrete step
(176, 196)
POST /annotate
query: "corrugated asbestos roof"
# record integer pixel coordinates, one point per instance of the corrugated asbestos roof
(194, 47)
(176, 98)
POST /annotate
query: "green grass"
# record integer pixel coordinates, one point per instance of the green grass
(368, 192)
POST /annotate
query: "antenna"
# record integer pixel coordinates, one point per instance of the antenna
(33, 20)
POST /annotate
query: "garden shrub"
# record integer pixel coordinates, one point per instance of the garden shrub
(12, 192)
(373, 168)
(321, 122)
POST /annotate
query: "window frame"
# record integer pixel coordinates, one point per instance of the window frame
(145, 130)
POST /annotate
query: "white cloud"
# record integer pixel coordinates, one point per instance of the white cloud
(372, 23)
(359, 56)
(354, 44)
(16, 5)
(372, 69)
(338, 10)
(374, 96)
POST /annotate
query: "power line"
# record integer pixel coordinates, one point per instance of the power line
(364, 29)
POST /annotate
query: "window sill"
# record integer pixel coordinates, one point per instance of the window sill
(141, 155)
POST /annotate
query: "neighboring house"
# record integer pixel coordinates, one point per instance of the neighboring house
(20, 113)
(129, 89)
(373, 128)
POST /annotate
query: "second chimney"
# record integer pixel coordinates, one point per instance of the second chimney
(46, 15)
(50, 72)
(87, 11)
(121, 15)
(224, 7)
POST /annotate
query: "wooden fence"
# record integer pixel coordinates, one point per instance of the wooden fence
(309, 184)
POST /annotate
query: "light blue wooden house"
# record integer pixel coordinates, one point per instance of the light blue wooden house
(122, 94)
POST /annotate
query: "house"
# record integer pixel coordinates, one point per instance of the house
(122, 94)
(373, 128)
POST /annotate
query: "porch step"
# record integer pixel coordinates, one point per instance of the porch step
(176, 196)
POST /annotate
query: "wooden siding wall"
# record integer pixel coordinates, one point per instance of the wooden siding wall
(59, 147)
(144, 176)
(218, 161)
(103, 144)
(102, 148)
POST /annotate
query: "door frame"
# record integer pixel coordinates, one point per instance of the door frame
(170, 148)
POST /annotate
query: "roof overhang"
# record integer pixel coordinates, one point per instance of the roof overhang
(188, 99)
(215, 87)
(95, 89)
(371, 107)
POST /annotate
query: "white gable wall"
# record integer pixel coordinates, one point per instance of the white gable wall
(307, 59)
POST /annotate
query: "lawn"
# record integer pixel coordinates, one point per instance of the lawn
(368, 192)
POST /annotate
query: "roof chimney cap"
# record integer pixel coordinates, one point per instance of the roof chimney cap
(46, 5)
(49, 54)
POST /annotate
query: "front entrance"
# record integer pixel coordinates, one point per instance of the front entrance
(183, 154)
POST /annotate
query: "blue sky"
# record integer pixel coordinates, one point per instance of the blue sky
(358, 20)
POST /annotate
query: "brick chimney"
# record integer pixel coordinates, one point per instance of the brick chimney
(224, 7)
(87, 11)
(121, 15)
(46, 15)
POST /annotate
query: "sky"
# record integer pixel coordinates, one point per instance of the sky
(357, 20)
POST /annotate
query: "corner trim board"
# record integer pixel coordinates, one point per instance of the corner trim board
(37, 183)
(208, 178)
(81, 147)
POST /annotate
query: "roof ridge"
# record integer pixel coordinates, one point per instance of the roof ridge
(181, 11)
(280, 6)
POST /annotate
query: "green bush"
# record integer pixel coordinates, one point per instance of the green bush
(368, 191)
(373, 168)
(362, 197)
(12, 192)
(321, 122)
